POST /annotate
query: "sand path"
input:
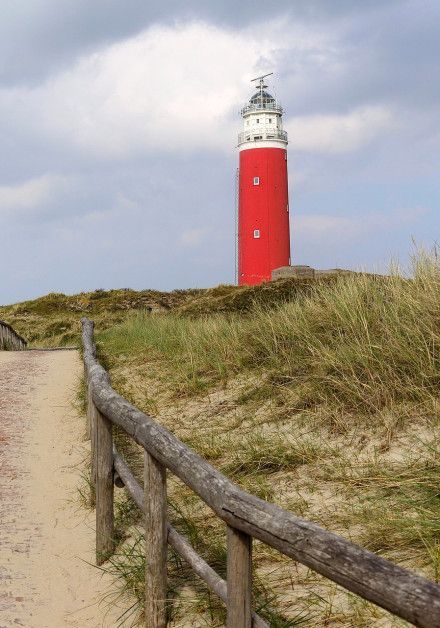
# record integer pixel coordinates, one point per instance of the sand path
(46, 536)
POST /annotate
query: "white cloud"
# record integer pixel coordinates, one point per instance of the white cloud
(30, 194)
(317, 226)
(338, 133)
(178, 89)
(170, 88)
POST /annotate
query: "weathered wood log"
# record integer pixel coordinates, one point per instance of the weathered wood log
(178, 542)
(398, 590)
(91, 411)
(155, 542)
(89, 430)
(239, 574)
(133, 487)
(205, 571)
(91, 420)
(104, 487)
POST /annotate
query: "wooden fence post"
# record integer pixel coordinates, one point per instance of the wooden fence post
(239, 576)
(89, 428)
(91, 424)
(103, 458)
(156, 543)
(9, 339)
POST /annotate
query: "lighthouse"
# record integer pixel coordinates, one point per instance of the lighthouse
(263, 197)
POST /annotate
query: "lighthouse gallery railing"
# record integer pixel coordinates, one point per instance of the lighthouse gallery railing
(398, 590)
(262, 134)
(260, 106)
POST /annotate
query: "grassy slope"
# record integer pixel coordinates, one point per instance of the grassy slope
(54, 319)
(327, 405)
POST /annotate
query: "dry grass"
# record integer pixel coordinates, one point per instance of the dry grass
(54, 319)
(327, 405)
(321, 396)
(362, 344)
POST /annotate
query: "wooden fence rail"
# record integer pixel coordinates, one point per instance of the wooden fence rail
(398, 590)
(9, 339)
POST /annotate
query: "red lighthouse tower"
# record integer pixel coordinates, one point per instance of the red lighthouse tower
(263, 205)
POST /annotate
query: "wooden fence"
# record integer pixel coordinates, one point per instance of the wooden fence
(9, 339)
(398, 590)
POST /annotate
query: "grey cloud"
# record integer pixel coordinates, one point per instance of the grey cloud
(39, 37)
(123, 221)
(389, 56)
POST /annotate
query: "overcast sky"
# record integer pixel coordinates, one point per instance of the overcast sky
(119, 122)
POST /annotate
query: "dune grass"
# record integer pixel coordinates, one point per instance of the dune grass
(327, 404)
(363, 344)
(54, 319)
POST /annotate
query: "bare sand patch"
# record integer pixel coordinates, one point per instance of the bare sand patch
(47, 576)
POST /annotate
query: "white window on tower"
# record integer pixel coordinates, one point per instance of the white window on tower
(270, 120)
(256, 233)
(256, 180)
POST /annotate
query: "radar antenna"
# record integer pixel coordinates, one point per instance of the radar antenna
(261, 86)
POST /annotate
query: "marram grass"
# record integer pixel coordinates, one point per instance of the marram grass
(328, 405)
(363, 343)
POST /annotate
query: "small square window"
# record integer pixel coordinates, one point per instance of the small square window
(270, 120)
(258, 120)
(256, 233)
(256, 180)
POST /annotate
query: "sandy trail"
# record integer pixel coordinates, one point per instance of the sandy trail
(46, 536)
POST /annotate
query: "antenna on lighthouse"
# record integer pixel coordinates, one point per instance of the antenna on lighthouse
(261, 86)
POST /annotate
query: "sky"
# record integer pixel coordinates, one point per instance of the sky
(119, 123)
